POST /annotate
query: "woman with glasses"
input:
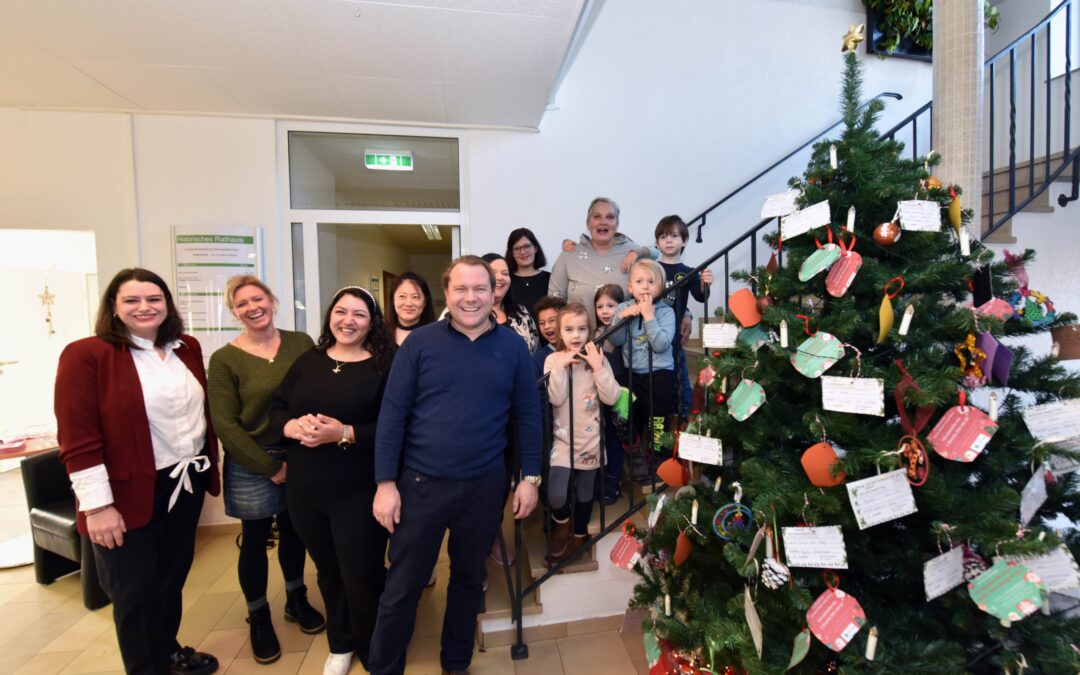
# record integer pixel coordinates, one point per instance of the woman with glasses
(525, 257)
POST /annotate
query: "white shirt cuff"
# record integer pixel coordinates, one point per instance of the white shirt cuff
(92, 487)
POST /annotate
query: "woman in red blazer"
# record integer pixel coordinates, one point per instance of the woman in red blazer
(135, 436)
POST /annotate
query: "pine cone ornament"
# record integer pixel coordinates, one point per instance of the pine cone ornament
(774, 574)
(974, 565)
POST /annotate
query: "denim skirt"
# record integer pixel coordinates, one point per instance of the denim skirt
(251, 496)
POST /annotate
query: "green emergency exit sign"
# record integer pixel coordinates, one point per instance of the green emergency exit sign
(388, 160)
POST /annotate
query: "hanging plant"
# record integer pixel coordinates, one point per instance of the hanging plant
(906, 27)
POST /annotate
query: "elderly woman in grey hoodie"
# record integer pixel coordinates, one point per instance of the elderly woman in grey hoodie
(601, 257)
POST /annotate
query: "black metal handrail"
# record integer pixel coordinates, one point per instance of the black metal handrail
(704, 214)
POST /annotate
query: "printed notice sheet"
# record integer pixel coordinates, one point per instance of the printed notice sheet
(921, 216)
(859, 395)
(719, 335)
(700, 449)
(805, 220)
(780, 204)
(881, 498)
(815, 547)
(1057, 568)
(943, 573)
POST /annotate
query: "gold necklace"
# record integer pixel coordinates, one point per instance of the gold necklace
(264, 345)
(337, 365)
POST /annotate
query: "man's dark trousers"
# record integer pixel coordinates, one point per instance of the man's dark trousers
(471, 509)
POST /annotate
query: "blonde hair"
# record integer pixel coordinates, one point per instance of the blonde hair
(656, 270)
(234, 284)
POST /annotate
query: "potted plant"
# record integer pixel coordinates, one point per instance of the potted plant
(905, 28)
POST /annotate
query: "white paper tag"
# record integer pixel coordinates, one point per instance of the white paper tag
(719, 335)
(919, 215)
(1057, 568)
(879, 499)
(1033, 495)
(805, 220)
(700, 449)
(783, 335)
(753, 621)
(780, 204)
(905, 323)
(1061, 465)
(943, 573)
(965, 242)
(859, 395)
(815, 547)
(1057, 423)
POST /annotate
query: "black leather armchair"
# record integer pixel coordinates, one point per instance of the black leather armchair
(58, 547)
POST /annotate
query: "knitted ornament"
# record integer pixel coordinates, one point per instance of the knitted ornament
(774, 574)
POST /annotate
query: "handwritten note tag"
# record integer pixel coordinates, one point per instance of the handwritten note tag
(882, 498)
(780, 204)
(805, 220)
(700, 449)
(943, 573)
(815, 547)
(1057, 568)
(920, 216)
(1033, 495)
(859, 395)
(1057, 423)
(719, 335)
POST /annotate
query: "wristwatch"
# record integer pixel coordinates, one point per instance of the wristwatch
(347, 437)
(535, 480)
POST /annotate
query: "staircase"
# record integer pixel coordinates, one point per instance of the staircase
(1029, 177)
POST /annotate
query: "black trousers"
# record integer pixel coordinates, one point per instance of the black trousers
(145, 577)
(471, 509)
(253, 567)
(348, 547)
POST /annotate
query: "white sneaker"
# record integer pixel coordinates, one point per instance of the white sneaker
(337, 664)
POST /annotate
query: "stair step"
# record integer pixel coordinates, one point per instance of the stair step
(497, 598)
(535, 543)
(1001, 174)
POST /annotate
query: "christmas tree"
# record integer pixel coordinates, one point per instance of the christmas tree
(946, 463)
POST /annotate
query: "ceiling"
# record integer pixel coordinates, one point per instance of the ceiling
(457, 62)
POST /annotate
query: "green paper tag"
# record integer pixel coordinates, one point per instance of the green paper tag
(745, 400)
(652, 648)
(819, 261)
(800, 649)
(817, 354)
(753, 337)
(1008, 591)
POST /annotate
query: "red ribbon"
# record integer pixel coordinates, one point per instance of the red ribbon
(897, 291)
(832, 580)
(922, 413)
(827, 230)
(806, 322)
(962, 396)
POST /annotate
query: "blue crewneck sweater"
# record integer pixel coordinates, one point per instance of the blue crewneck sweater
(449, 400)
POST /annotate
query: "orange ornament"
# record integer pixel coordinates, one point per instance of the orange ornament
(673, 472)
(683, 546)
(744, 306)
(818, 461)
(887, 234)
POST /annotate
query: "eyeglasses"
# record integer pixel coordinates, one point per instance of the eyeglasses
(522, 248)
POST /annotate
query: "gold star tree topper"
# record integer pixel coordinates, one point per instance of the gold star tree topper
(853, 37)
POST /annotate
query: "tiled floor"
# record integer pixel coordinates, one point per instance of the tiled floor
(46, 630)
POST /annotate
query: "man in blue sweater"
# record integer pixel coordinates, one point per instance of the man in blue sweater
(440, 461)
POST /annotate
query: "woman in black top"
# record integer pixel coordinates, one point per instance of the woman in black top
(508, 310)
(410, 305)
(525, 258)
(327, 406)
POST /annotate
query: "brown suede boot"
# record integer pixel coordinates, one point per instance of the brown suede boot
(558, 541)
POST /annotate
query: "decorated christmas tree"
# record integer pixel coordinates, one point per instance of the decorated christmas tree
(890, 460)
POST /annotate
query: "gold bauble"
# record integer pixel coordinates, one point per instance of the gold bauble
(887, 233)
(933, 183)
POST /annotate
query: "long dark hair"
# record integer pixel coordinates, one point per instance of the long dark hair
(509, 306)
(539, 261)
(111, 329)
(378, 341)
(427, 315)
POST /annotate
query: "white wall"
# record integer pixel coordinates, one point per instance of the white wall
(668, 107)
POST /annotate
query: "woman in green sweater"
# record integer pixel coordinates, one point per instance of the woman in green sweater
(241, 379)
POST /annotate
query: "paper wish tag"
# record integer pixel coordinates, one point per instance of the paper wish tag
(919, 215)
(745, 400)
(780, 204)
(819, 261)
(701, 449)
(817, 354)
(818, 462)
(754, 337)
(1058, 568)
(997, 308)
(1033, 496)
(1008, 591)
(805, 220)
(962, 433)
(859, 395)
(842, 274)
(943, 573)
(835, 618)
(1057, 423)
(719, 335)
(881, 498)
(815, 547)
(627, 550)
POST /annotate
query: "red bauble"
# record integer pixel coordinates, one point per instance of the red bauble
(887, 234)
(763, 302)
(720, 398)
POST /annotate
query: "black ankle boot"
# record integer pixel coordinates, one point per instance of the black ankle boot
(299, 610)
(264, 642)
